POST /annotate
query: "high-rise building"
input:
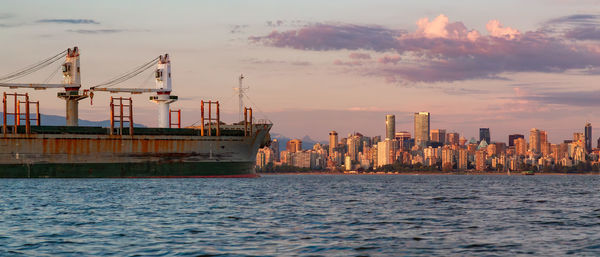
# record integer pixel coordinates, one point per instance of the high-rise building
(588, 137)
(294, 145)
(333, 141)
(534, 141)
(354, 146)
(480, 160)
(438, 135)
(390, 126)
(579, 139)
(512, 138)
(484, 134)
(404, 140)
(447, 158)
(385, 152)
(275, 147)
(462, 159)
(422, 124)
(520, 146)
(453, 138)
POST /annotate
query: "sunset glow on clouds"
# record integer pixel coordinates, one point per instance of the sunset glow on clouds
(440, 50)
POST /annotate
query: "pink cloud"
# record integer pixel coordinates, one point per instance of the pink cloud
(440, 50)
(359, 56)
(387, 59)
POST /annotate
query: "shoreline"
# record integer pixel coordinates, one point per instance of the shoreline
(416, 173)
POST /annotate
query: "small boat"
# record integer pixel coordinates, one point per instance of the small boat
(528, 173)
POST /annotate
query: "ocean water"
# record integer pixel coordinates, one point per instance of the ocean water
(302, 215)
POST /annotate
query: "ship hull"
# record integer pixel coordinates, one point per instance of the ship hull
(64, 154)
(129, 170)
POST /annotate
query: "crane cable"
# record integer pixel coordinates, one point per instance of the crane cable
(32, 68)
(128, 75)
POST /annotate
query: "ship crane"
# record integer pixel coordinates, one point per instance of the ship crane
(162, 75)
(71, 81)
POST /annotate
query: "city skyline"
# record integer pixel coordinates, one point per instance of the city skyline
(304, 63)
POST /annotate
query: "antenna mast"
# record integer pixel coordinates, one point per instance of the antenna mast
(241, 90)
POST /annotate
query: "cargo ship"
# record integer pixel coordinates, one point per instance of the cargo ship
(212, 149)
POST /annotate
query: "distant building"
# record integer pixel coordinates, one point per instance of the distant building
(534, 141)
(422, 125)
(438, 135)
(385, 152)
(447, 158)
(275, 148)
(512, 138)
(294, 145)
(588, 137)
(390, 126)
(480, 160)
(462, 159)
(520, 146)
(354, 146)
(462, 141)
(484, 134)
(453, 138)
(333, 141)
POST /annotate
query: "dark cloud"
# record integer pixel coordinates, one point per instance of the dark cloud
(322, 37)
(575, 27)
(96, 31)
(236, 29)
(68, 21)
(585, 19)
(571, 98)
(444, 52)
(276, 23)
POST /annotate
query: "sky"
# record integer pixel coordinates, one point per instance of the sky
(316, 66)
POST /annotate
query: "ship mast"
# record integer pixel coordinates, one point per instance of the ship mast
(241, 90)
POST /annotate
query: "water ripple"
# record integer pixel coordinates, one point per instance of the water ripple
(302, 215)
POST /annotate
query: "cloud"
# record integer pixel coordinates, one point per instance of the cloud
(276, 62)
(95, 31)
(359, 56)
(276, 23)
(387, 59)
(570, 98)
(444, 51)
(235, 29)
(68, 21)
(323, 37)
(576, 27)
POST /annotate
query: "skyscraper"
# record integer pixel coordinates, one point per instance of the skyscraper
(512, 138)
(294, 145)
(438, 135)
(534, 140)
(390, 126)
(453, 138)
(484, 134)
(422, 123)
(275, 147)
(588, 137)
(333, 141)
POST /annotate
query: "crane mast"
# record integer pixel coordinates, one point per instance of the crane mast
(71, 82)
(162, 76)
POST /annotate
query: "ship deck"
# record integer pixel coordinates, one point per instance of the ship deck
(83, 130)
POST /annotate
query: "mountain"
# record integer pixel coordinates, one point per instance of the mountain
(57, 120)
(307, 142)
